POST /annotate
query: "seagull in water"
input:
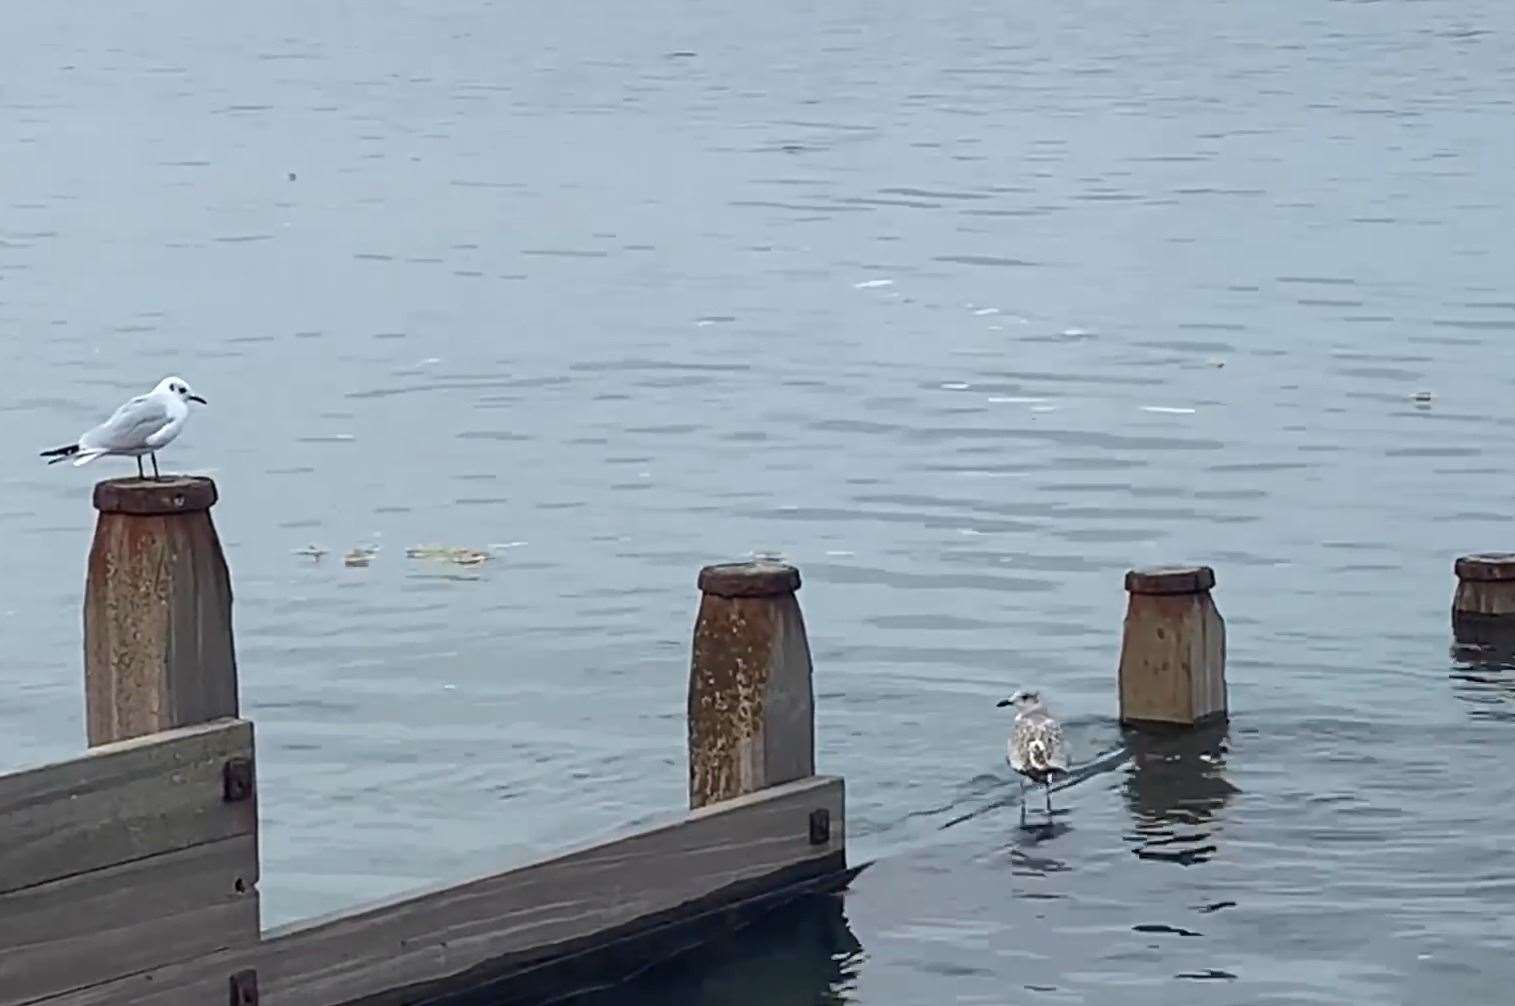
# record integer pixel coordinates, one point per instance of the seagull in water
(144, 425)
(1035, 749)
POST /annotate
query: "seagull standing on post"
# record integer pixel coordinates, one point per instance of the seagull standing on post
(1035, 749)
(144, 425)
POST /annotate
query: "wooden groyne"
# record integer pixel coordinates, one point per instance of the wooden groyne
(129, 875)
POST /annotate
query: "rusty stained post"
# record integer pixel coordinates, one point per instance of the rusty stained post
(751, 708)
(1483, 608)
(1173, 652)
(158, 647)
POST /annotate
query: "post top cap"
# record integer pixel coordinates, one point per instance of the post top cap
(1170, 580)
(1486, 566)
(150, 497)
(762, 578)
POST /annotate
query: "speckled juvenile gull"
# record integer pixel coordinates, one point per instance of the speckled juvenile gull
(142, 425)
(1035, 749)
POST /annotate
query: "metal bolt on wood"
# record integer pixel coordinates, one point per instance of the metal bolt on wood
(820, 826)
(236, 780)
(244, 988)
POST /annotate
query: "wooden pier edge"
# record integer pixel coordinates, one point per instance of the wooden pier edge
(631, 950)
(133, 856)
(537, 932)
(128, 876)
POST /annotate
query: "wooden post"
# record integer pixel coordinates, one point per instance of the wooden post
(1173, 653)
(158, 648)
(1483, 608)
(751, 709)
(1485, 587)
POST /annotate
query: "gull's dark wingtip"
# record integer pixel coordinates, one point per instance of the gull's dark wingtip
(60, 453)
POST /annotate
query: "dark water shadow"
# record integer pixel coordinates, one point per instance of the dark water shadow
(1025, 853)
(1175, 787)
(1483, 667)
(804, 952)
(1481, 637)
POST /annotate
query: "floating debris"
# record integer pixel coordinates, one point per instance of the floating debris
(1423, 397)
(311, 551)
(449, 553)
(1215, 362)
(360, 556)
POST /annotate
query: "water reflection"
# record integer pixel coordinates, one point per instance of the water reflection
(804, 952)
(1025, 861)
(1175, 785)
(1483, 669)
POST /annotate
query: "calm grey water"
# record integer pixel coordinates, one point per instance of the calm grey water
(964, 307)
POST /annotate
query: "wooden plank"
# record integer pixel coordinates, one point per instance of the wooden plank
(121, 802)
(94, 927)
(426, 947)
(617, 955)
(575, 895)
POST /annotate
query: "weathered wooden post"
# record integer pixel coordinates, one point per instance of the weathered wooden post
(1483, 605)
(1485, 585)
(751, 708)
(158, 648)
(1173, 652)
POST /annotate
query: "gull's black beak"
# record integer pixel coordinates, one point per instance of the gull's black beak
(197, 398)
(1002, 703)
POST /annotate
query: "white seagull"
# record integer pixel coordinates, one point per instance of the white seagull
(144, 425)
(1035, 748)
